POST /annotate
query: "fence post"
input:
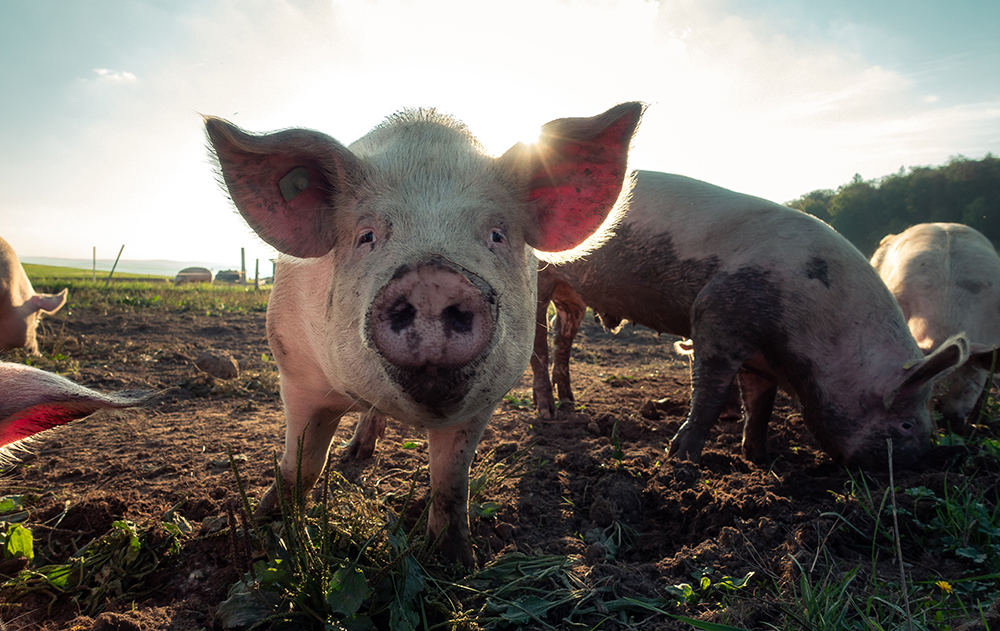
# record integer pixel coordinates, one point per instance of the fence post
(108, 281)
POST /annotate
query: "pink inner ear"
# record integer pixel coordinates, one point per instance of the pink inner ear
(564, 226)
(292, 226)
(572, 200)
(37, 419)
(577, 183)
(48, 302)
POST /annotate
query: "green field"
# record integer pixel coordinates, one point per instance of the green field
(136, 292)
(49, 272)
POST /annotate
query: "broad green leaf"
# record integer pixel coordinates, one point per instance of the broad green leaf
(527, 609)
(403, 616)
(10, 504)
(346, 590)
(244, 607)
(413, 580)
(484, 509)
(19, 543)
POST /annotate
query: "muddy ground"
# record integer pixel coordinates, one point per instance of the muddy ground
(723, 515)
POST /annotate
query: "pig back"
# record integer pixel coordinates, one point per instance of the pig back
(946, 278)
(678, 234)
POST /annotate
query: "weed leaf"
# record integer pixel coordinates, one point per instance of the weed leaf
(18, 543)
(346, 590)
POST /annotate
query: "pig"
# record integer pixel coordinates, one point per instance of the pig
(407, 277)
(20, 306)
(765, 292)
(33, 401)
(946, 278)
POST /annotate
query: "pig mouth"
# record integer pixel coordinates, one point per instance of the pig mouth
(439, 389)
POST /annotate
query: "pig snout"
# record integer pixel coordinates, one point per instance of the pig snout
(431, 315)
(430, 323)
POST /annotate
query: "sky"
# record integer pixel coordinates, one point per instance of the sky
(102, 144)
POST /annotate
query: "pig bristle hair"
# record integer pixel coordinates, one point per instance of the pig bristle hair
(11, 454)
(429, 115)
(602, 235)
(684, 347)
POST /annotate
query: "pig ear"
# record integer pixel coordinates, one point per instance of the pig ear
(574, 174)
(947, 357)
(285, 184)
(35, 400)
(49, 303)
(985, 357)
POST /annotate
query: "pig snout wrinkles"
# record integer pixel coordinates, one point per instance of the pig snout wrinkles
(431, 316)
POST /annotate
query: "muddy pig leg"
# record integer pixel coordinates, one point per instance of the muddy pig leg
(370, 430)
(734, 406)
(450, 453)
(541, 387)
(570, 310)
(758, 392)
(712, 379)
(723, 338)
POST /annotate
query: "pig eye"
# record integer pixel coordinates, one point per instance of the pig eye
(497, 236)
(366, 236)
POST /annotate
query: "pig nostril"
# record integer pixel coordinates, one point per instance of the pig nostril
(401, 315)
(456, 320)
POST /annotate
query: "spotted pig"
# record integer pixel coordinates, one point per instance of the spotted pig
(767, 293)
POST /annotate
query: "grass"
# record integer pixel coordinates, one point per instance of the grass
(113, 566)
(57, 273)
(130, 297)
(125, 296)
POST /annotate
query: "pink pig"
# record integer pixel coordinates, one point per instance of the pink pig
(408, 278)
(20, 306)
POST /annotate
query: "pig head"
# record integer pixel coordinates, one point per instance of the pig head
(408, 281)
(33, 401)
(946, 278)
(20, 306)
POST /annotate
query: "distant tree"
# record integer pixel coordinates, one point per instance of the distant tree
(816, 203)
(961, 191)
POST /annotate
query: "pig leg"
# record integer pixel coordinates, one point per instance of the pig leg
(370, 429)
(451, 453)
(724, 336)
(758, 399)
(310, 420)
(734, 405)
(541, 387)
(570, 310)
(710, 386)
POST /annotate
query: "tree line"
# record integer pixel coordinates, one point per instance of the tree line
(864, 211)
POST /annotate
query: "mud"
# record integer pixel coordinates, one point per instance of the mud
(600, 464)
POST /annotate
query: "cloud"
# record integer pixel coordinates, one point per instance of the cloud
(762, 106)
(116, 76)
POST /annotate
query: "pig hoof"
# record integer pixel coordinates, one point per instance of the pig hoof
(682, 448)
(757, 454)
(370, 429)
(360, 450)
(268, 503)
(458, 551)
